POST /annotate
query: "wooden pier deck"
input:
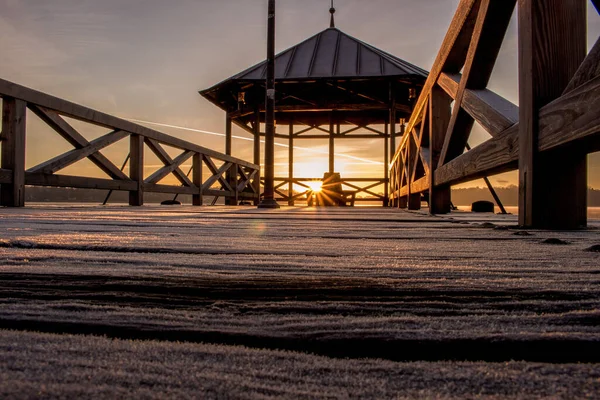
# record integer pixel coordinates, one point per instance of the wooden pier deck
(371, 302)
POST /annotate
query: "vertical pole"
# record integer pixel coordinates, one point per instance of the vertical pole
(392, 120)
(269, 196)
(13, 151)
(386, 166)
(136, 169)
(439, 119)
(197, 199)
(228, 128)
(291, 165)
(257, 151)
(232, 173)
(552, 45)
(331, 145)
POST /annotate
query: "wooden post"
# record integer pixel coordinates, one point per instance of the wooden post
(439, 119)
(230, 175)
(197, 199)
(331, 145)
(268, 200)
(13, 151)
(386, 166)
(136, 169)
(392, 121)
(291, 165)
(552, 45)
(257, 152)
(414, 199)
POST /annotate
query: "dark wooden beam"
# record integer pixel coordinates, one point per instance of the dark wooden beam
(12, 194)
(71, 157)
(198, 198)
(136, 169)
(552, 46)
(79, 182)
(291, 164)
(439, 119)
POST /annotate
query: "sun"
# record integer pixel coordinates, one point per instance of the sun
(316, 186)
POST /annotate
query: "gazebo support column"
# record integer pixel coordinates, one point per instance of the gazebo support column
(439, 119)
(331, 146)
(13, 151)
(386, 166)
(231, 174)
(552, 45)
(291, 165)
(257, 151)
(392, 120)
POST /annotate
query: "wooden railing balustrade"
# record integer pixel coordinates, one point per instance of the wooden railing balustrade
(227, 177)
(362, 189)
(547, 138)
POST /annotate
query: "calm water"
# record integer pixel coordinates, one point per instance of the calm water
(593, 212)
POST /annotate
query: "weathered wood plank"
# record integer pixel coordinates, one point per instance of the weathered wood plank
(71, 157)
(493, 112)
(89, 115)
(80, 182)
(552, 46)
(589, 69)
(168, 169)
(76, 139)
(439, 119)
(13, 152)
(166, 159)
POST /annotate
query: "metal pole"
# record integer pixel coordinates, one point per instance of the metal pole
(269, 193)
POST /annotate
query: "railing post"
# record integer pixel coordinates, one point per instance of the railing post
(13, 151)
(386, 167)
(439, 119)
(229, 175)
(414, 199)
(291, 165)
(552, 45)
(198, 198)
(136, 169)
(257, 153)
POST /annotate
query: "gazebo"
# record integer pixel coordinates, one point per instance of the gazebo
(330, 86)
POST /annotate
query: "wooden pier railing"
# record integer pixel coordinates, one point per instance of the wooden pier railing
(361, 189)
(547, 138)
(225, 176)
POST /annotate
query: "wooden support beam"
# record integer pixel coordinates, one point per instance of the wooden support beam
(331, 145)
(552, 46)
(570, 122)
(79, 182)
(492, 22)
(439, 118)
(198, 198)
(12, 194)
(71, 157)
(257, 152)
(166, 159)
(493, 112)
(168, 169)
(136, 169)
(386, 167)
(291, 164)
(57, 123)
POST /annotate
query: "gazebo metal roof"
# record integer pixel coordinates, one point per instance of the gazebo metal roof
(332, 54)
